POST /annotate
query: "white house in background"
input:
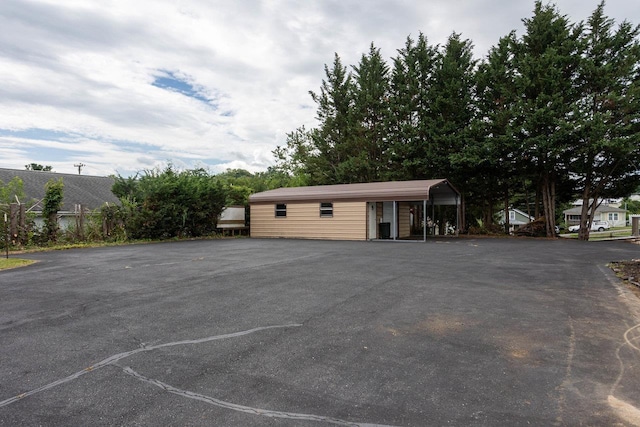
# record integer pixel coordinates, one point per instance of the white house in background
(616, 217)
(516, 218)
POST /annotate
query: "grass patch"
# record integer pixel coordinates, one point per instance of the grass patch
(608, 234)
(7, 263)
(602, 235)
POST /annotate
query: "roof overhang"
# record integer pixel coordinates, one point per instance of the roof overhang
(434, 189)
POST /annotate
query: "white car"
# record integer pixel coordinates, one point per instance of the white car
(595, 226)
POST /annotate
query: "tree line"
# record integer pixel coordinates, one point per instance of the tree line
(544, 118)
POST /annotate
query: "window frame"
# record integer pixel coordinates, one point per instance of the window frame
(280, 210)
(326, 209)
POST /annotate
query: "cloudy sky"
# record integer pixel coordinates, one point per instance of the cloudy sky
(122, 86)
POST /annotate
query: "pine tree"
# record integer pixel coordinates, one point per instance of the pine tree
(410, 123)
(368, 153)
(490, 158)
(451, 109)
(547, 59)
(608, 152)
(336, 131)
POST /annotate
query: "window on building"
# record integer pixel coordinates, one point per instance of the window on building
(281, 210)
(613, 216)
(512, 215)
(326, 210)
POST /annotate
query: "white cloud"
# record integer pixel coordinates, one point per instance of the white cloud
(86, 68)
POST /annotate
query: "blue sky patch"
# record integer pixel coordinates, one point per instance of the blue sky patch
(36, 134)
(44, 154)
(169, 80)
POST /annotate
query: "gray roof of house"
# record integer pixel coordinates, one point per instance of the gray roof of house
(602, 208)
(90, 191)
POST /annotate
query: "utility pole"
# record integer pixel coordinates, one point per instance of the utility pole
(79, 166)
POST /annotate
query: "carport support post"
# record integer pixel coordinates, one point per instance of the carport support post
(457, 216)
(433, 216)
(395, 223)
(424, 220)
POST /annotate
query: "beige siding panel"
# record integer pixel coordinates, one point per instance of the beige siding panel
(303, 220)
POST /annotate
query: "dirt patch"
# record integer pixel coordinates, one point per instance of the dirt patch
(629, 272)
(438, 325)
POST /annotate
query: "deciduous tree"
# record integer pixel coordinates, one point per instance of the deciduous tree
(51, 204)
(38, 167)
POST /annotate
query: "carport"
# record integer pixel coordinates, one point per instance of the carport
(393, 210)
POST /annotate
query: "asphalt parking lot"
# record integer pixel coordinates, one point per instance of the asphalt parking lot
(253, 332)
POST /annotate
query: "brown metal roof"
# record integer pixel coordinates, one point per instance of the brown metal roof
(372, 191)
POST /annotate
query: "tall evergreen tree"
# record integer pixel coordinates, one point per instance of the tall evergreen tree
(490, 158)
(547, 59)
(451, 109)
(608, 154)
(336, 131)
(410, 123)
(368, 153)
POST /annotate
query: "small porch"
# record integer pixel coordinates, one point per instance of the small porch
(415, 220)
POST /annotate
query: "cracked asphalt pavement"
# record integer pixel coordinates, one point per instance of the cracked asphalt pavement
(311, 333)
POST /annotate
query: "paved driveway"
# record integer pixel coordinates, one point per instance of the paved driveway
(297, 333)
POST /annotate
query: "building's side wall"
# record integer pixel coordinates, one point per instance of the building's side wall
(574, 218)
(349, 221)
(621, 220)
(522, 219)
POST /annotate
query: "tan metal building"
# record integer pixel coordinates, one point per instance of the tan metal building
(368, 211)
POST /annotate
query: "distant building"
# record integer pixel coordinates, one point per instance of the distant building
(516, 219)
(616, 217)
(232, 220)
(90, 192)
